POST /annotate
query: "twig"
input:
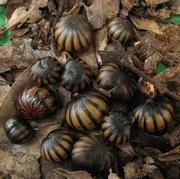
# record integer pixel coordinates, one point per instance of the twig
(170, 155)
(126, 62)
(161, 88)
(77, 6)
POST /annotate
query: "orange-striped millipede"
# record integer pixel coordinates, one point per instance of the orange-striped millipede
(57, 145)
(120, 29)
(92, 154)
(73, 33)
(86, 110)
(154, 115)
(116, 127)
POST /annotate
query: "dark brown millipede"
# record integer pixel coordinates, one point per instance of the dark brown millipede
(76, 75)
(57, 145)
(18, 130)
(36, 103)
(92, 154)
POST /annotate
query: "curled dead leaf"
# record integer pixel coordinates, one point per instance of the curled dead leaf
(129, 4)
(155, 2)
(39, 3)
(101, 39)
(146, 24)
(21, 15)
(89, 56)
(18, 16)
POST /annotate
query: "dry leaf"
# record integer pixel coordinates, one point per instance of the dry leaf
(39, 3)
(176, 6)
(34, 15)
(100, 11)
(170, 75)
(89, 56)
(3, 91)
(101, 39)
(113, 175)
(2, 2)
(127, 148)
(62, 170)
(129, 4)
(151, 170)
(80, 175)
(132, 170)
(18, 16)
(4, 69)
(21, 53)
(146, 24)
(21, 15)
(22, 165)
(5, 52)
(151, 62)
(160, 13)
(155, 2)
(61, 173)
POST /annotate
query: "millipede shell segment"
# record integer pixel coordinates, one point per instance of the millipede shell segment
(57, 146)
(120, 29)
(116, 127)
(36, 103)
(18, 130)
(46, 71)
(92, 154)
(87, 110)
(76, 75)
(73, 33)
(118, 80)
(154, 115)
